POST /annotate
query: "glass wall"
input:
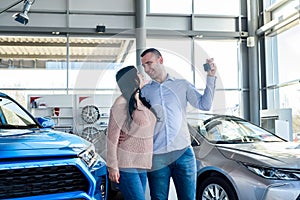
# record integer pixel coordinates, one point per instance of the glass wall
(212, 7)
(26, 62)
(179, 59)
(94, 63)
(57, 64)
(178, 6)
(26, 65)
(66, 64)
(283, 58)
(217, 7)
(40, 65)
(288, 44)
(228, 95)
(284, 84)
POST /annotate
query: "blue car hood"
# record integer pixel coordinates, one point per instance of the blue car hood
(39, 143)
(276, 154)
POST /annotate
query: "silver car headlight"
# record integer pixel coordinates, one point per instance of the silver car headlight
(89, 155)
(274, 173)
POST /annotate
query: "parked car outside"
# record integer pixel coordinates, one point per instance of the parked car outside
(238, 160)
(37, 162)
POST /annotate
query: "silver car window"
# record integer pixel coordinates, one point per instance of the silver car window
(237, 131)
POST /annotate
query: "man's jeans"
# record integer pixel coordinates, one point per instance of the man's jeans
(181, 166)
(133, 184)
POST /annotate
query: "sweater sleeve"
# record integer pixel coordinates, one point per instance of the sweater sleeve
(113, 134)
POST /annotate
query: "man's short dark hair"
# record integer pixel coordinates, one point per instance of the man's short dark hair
(151, 50)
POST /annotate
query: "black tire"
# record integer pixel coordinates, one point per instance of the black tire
(216, 188)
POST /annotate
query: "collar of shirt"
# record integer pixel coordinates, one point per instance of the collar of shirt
(171, 78)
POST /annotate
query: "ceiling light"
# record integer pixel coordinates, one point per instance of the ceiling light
(23, 17)
(199, 36)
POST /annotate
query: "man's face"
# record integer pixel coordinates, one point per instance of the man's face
(153, 65)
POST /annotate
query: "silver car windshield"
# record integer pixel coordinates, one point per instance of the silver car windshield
(13, 116)
(227, 130)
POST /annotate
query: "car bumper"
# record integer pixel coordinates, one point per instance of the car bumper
(283, 191)
(95, 180)
(61, 196)
(264, 189)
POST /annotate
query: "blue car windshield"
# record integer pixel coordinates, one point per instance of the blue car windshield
(13, 116)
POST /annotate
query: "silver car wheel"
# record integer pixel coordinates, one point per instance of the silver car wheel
(90, 114)
(214, 192)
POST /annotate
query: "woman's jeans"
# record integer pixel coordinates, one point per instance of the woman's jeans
(133, 184)
(181, 166)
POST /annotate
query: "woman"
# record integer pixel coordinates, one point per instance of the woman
(130, 116)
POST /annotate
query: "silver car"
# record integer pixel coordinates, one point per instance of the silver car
(239, 160)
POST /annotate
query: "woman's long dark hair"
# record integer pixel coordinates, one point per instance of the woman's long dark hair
(129, 84)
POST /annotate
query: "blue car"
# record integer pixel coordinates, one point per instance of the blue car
(37, 162)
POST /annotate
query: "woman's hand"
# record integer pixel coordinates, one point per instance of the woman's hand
(114, 175)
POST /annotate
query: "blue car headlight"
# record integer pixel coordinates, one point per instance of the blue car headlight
(89, 156)
(274, 173)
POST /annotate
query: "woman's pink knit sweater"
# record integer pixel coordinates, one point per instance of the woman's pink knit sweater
(135, 151)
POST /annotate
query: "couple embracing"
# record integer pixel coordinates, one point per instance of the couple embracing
(148, 137)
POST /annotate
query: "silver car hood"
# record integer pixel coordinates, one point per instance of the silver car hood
(273, 154)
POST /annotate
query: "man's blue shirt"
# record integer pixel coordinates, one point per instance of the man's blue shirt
(169, 100)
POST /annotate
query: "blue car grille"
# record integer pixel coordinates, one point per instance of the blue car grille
(27, 182)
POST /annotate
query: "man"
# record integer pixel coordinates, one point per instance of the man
(173, 154)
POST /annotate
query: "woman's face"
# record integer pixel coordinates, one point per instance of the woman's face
(142, 79)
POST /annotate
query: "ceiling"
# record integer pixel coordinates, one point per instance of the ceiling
(54, 48)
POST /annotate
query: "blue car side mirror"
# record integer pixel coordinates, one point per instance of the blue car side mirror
(46, 122)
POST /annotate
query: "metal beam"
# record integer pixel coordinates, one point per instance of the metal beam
(252, 44)
(119, 33)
